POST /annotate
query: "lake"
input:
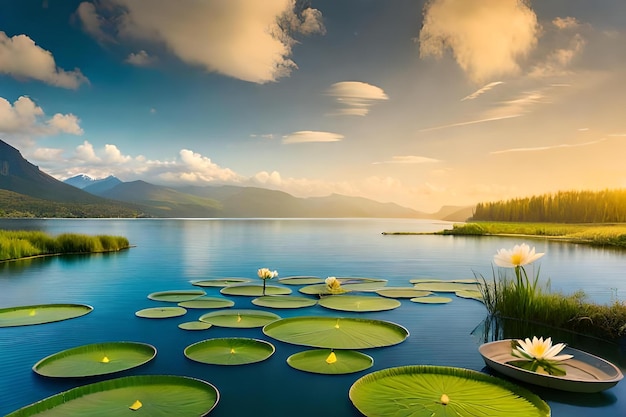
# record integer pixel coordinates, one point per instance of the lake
(168, 254)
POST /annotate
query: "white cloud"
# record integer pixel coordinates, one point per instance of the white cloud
(486, 37)
(140, 59)
(24, 117)
(409, 159)
(305, 136)
(247, 40)
(355, 98)
(481, 91)
(549, 147)
(85, 153)
(21, 58)
(565, 22)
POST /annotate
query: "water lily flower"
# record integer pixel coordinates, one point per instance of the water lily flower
(540, 349)
(520, 255)
(265, 274)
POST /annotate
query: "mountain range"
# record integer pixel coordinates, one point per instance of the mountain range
(27, 191)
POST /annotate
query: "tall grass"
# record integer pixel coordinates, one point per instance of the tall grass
(23, 244)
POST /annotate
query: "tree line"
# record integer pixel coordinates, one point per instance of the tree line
(607, 206)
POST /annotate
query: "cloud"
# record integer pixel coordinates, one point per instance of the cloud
(304, 136)
(547, 148)
(566, 22)
(409, 159)
(24, 117)
(247, 40)
(481, 91)
(21, 58)
(140, 59)
(470, 122)
(558, 61)
(486, 37)
(355, 97)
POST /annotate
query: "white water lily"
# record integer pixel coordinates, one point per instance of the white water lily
(265, 273)
(520, 255)
(332, 283)
(540, 350)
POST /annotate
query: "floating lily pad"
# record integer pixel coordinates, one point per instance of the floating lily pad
(230, 351)
(150, 395)
(336, 333)
(459, 281)
(41, 313)
(176, 296)
(239, 318)
(361, 284)
(255, 290)
(95, 359)
(284, 301)
(161, 312)
(207, 302)
(195, 325)
(301, 280)
(331, 362)
(431, 300)
(445, 286)
(474, 294)
(402, 292)
(317, 289)
(436, 391)
(220, 282)
(358, 303)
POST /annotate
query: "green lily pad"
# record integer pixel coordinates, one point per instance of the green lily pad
(301, 280)
(431, 300)
(283, 301)
(95, 359)
(336, 332)
(161, 312)
(322, 361)
(220, 282)
(255, 290)
(176, 296)
(239, 318)
(361, 284)
(437, 391)
(445, 286)
(358, 303)
(152, 395)
(402, 292)
(317, 289)
(459, 281)
(41, 313)
(195, 325)
(474, 294)
(230, 351)
(207, 302)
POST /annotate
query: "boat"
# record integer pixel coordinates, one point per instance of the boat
(584, 372)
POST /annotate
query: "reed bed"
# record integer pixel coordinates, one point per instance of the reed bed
(24, 244)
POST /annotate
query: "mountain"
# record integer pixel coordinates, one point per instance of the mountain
(91, 185)
(48, 196)
(80, 181)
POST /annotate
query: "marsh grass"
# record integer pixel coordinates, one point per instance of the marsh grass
(610, 234)
(24, 244)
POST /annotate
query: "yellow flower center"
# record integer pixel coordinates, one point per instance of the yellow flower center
(517, 258)
(444, 399)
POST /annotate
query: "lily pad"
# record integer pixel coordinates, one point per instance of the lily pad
(195, 325)
(239, 318)
(437, 391)
(207, 302)
(283, 301)
(301, 280)
(474, 294)
(220, 282)
(230, 351)
(358, 303)
(445, 286)
(95, 359)
(431, 300)
(331, 362)
(175, 296)
(336, 332)
(161, 312)
(362, 284)
(317, 289)
(151, 395)
(402, 292)
(41, 313)
(255, 290)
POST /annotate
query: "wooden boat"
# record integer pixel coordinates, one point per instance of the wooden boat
(584, 371)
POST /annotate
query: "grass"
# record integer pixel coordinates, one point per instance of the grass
(610, 234)
(23, 244)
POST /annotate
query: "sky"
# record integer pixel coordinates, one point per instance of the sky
(420, 103)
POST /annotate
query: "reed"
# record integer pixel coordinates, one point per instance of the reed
(23, 244)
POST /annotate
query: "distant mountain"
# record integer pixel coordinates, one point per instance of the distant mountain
(49, 197)
(92, 185)
(80, 181)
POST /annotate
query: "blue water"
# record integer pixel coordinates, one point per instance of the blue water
(168, 254)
